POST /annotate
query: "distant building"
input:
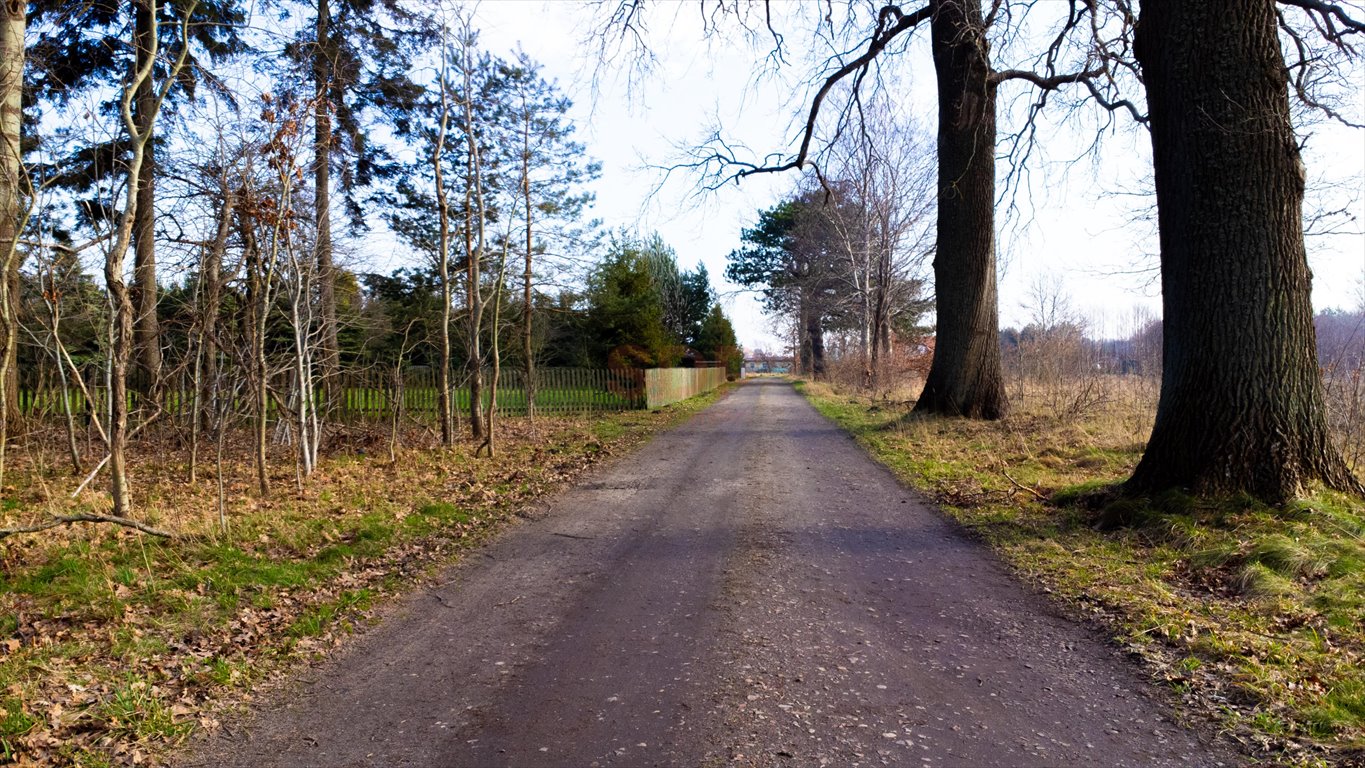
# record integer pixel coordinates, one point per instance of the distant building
(767, 364)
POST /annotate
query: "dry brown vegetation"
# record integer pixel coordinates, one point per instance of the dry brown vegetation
(115, 645)
(1251, 613)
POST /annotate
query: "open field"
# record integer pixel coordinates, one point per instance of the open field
(1254, 613)
(117, 645)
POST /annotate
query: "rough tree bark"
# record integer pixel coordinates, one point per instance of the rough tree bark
(324, 92)
(147, 326)
(12, 28)
(812, 340)
(816, 331)
(1241, 406)
(965, 378)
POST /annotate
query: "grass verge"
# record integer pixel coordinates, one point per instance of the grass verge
(115, 646)
(1252, 613)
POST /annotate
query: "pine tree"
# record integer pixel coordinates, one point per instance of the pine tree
(356, 55)
(79, 47)
(552, 168)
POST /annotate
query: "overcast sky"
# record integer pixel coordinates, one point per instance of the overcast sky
(1077, 220)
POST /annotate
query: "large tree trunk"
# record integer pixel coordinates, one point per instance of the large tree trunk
(324, 92)
(965, 378)
(815, 339)
(1241, 406)
(147, 326)
(12, 26)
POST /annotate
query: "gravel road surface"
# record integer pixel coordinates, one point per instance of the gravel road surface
(747, 589)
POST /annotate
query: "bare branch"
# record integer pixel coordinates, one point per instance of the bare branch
(1301, 69)
(881, 37)
(1045, 83)
(1330, 13)
(67, 249)
(85, 517)
(1021, 486)
(1115, 105)
(778, 51)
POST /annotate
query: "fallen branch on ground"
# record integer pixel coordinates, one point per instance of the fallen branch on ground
(57, 520)
(1021, 486)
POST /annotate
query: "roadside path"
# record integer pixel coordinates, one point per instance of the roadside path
(747, 589)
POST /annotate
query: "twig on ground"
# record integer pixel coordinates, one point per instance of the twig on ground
(1021, 486)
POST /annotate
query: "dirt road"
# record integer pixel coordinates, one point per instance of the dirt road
(747, 589)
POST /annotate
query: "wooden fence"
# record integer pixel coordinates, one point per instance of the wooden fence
(669, 385)
(372, 395)
(557, 391)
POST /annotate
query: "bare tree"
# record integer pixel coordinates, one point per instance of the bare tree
(209, 294)
(475, 216)
(260, 281)
(123, 316)
(443, 249)
(267, 222)
(49, 280)
(12, 214)
(300, 282)
(880, 213)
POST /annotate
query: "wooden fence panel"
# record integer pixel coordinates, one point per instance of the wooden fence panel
(669, 385)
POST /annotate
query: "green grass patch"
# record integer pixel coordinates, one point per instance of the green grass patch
(15, 721)
(323, 616)
(136, 714)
